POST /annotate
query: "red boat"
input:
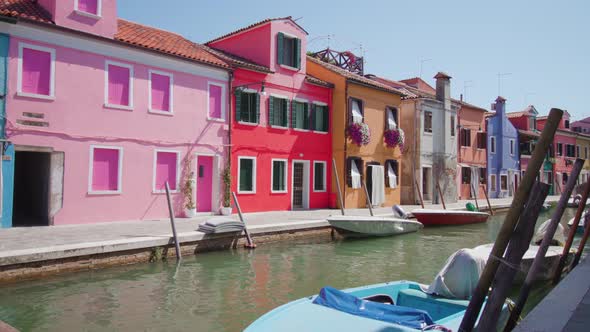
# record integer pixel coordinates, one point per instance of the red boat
(430, 217)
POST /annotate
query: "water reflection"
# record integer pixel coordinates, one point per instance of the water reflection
(225, 291)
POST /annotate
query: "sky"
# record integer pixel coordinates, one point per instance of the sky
(530, 52)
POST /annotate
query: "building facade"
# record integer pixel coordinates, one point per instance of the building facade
(359, 102)
(280, 119)
(472, 152)
(582, 126)
(564, 151)
(102, 112)
(503, 151)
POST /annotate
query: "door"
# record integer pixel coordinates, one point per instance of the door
(31, 189)
(426, 183)
(369, 183)
(204, 183)
(300, 185)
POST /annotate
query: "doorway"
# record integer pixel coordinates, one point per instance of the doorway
(31, 189)
(300, 185)
(204, 183)
(427, 183)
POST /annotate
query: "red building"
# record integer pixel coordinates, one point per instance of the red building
(280, 134)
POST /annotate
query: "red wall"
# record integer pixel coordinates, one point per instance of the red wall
(522, 122)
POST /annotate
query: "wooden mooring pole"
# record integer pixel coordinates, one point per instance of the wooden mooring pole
(571, 234)
(485, 192)
(475, 196)
(419, 193)
(171, 212)
(550, 232)
(440, 193)
(368, 199)
(582, 243)
(338, 186)
(516, 208)
(249, 243)
(510, 263)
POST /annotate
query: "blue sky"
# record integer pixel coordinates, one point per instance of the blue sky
(542, 46)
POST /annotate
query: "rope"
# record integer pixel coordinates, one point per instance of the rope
(507, 263)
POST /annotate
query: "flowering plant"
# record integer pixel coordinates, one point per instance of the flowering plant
(395, 137)
(359, 133)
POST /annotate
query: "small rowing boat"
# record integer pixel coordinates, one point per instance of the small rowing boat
(360, 226)
(431, 217)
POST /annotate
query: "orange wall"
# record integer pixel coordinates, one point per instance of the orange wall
(474, 119)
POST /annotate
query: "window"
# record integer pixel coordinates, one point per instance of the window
(564, 178)
(392, 169)
(320, 117)
(300, 115)
(288, 50)
(105, 170)
(503, 182)
(493, 186)
(119, 85)
(481, 140)
(559, 149)
(36, 71)
(246, 175)
(512, 147)
(428, 122)
(319, 176)
(586, 152)
(355, 111)
(465, 137)
(391, 118)
(279, 176)
(577, 151)
(354, 175)
(567, 124)
(160, 92)
(532, 124)
(278, 111)
(465, 175)
(247, 106)
(570, 150)
(216, 102)
(483, 175)
(90, 8)
(452, 126)
(165, 170)
(493, 144)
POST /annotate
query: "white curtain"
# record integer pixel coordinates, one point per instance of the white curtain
(357, 115)
(355, 175)
(474, 180)
(391, 176)
(510, 183)
(390, 120)
(378, 188)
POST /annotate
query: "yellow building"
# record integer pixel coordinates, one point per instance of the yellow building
(359, 100)
(583, 151)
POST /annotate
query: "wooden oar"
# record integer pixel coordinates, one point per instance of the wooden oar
(419, 193)
(338, 186)
(475, 195)
(368, 199)
(440, 193)
(485, 192)
(249, 244)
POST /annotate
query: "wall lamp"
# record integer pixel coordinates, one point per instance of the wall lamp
(241, 88)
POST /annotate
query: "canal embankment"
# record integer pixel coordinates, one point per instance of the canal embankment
(34, 252)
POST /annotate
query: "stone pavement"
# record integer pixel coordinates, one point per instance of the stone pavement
(566, 307)
(23, 245)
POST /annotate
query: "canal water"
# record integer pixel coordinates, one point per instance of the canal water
(226, 291)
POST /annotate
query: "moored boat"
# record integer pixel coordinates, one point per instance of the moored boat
(431, 217)
(358, 226)
(581, 226)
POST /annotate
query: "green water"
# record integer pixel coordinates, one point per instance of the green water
(226, 291)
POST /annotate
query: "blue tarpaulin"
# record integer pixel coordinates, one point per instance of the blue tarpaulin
(341, 301)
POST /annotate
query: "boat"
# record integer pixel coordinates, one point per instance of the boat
(431, 217)
(359, 226)
(391, 306)
(581, 225)
(575, 201)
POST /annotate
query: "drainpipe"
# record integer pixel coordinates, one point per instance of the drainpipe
(229, 125)
(417, 107)
(345, 146)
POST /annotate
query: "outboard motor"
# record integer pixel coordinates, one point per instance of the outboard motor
(399, 212)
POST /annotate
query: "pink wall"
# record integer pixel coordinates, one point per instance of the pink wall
(286, 26)
(253, 44)
(64, 14)
(77, 119)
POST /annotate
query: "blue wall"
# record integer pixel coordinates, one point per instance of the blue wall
(7, 165)
(502, 161)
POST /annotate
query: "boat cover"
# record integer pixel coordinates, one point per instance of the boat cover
(558, 238)
(459, 277)
(341, 301)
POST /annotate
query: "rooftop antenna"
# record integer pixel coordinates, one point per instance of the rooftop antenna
(466, 84)
(500, 76)
(421, 65)
(526, 99)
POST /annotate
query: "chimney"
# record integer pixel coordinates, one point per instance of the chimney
(443, 89)
(500, 105)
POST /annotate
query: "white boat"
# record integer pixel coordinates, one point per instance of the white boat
(549, 265)
(575, 201)
(373, 226)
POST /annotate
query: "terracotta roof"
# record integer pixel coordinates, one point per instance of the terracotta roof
(26, 9)
(166, 42)
(317, 81)
(418, 83)
(408, 91)
(356, 78)
(464, 103)
(251, 26)
(529, 133)
(516, 114)
(237, 60)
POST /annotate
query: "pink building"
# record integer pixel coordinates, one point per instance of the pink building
(102, 112)
(280, 122)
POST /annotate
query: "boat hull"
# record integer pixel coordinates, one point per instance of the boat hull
(357, 226)
(448, 217)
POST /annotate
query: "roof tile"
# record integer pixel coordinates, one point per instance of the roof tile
(24, 9)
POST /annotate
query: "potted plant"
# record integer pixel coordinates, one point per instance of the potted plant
(395, 137)
(190, 207)
(359, 133)
(226, 209)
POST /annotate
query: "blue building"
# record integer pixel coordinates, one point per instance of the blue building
(6, 149)
(503, 154)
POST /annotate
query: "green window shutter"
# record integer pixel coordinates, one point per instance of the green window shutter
(257, 109)
(278, 175)
(326, 119)
(286, 107)
(312, 117)
(297, 56)
(305, 116)
(280, 47)
(271, 110)
(294, 110)
(318, 177)
(246, 171)
(238, 105)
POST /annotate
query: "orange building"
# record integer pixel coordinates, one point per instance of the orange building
(359, 101)
(472, 153)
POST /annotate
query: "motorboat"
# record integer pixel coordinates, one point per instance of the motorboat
(359, 226)
(432, 217)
